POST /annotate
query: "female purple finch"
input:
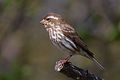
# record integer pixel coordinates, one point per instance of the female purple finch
(64, 37)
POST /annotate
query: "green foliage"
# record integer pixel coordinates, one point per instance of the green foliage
(7, 3)
(114, 35)
(86, 35)
(14, 74)
(96, 18)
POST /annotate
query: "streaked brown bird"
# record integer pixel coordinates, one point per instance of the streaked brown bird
(64, 37)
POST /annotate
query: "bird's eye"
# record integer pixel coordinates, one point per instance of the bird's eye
(48, 19)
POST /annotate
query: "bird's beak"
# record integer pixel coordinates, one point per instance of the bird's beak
(42, 21)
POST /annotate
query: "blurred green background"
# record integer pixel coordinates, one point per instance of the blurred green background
(26, 52)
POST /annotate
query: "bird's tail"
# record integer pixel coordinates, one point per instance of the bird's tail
(90, 55)
(97, 63)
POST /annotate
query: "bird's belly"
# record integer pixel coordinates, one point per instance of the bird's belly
(63, 46)
(62, 42)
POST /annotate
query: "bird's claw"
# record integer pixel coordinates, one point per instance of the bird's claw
(60, 64)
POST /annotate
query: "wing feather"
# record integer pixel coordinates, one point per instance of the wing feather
(70, 33)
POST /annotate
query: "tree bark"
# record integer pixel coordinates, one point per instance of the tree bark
(74, 72)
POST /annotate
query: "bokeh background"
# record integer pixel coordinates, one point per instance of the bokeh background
(26, 52)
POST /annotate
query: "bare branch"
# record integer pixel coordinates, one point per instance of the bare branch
(74, 72)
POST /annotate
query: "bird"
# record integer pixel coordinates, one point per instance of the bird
(65, 38)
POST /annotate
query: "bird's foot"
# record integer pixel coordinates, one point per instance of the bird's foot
(60, 64)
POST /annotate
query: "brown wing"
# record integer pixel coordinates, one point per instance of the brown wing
(73, 36)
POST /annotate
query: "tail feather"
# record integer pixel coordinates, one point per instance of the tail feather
(90, 55)
(97, 63)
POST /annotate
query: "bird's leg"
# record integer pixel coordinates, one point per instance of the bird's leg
(68, 57)
(64, 60)
(60, 64)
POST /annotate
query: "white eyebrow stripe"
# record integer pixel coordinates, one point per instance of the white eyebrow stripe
(53, 17)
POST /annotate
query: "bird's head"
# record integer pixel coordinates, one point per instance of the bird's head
(51, 19)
